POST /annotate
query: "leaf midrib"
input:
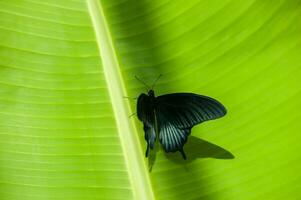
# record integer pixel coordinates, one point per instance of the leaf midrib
(136, 166)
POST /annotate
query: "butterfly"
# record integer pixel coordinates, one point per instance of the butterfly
(170, 117)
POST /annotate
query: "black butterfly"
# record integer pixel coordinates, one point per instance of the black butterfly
(171, 117)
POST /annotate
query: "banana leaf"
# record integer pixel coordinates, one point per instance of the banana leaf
(66, 66)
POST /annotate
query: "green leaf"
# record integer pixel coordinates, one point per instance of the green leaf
(65, 67)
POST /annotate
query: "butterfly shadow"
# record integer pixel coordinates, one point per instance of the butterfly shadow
(196, 148)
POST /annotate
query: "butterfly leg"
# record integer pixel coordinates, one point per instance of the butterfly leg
(132, 115)
(183, 153)
(131, 98)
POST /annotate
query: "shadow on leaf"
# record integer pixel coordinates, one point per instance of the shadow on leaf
(197, 148)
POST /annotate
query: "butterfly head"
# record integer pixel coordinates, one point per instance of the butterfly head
(151, 93)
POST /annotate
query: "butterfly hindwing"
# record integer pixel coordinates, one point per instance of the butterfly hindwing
(150, 137)
(171, 137)
(177, 113)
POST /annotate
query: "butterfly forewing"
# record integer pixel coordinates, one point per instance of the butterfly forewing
(185, 110)
(144, 109)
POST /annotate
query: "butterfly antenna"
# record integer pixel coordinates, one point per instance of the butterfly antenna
(154, 83)
(148, 88)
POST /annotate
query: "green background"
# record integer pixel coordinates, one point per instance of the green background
(59, 135)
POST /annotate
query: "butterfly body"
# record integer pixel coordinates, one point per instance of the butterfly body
(170, 117)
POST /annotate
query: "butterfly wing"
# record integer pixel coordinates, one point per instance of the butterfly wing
(177, 113)
(171, 137)
(145, 112)
(185, 110)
